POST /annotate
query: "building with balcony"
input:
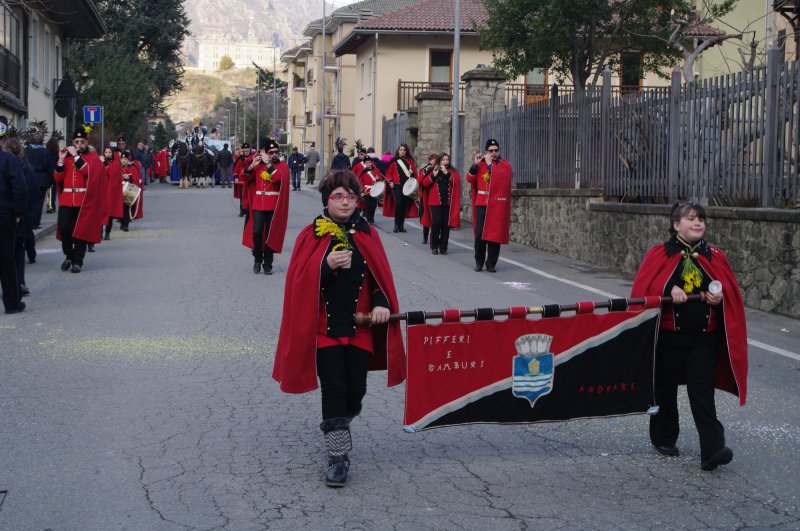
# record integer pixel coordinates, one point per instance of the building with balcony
(34, 39)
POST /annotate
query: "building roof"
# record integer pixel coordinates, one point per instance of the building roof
(354, 13)
(78, 19)
(292, 53)
(698, 29)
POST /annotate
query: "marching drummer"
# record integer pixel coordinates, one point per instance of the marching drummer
(131, 173)
(114, 200)
(397, 204)
(372, 184)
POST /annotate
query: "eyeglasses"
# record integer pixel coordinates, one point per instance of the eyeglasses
(493, 150)
(339, 197)
(79, 142)
(272, 152)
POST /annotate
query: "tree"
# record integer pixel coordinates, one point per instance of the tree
(160, 137)
(225, 63)
(136, 64)
(577, 39)
(266, 80)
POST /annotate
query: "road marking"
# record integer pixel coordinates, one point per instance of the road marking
(752, 342)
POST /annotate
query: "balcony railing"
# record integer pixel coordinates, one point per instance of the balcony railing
(10, 76)
(408, 90)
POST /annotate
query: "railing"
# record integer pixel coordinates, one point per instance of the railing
(10, 77)
(408, 90)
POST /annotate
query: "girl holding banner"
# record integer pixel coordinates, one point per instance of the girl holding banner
(338, 267)
(702, 343)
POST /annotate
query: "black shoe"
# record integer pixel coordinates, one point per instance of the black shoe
(21, 308)
(723, 456)
(241, 214)
(66, 264)
(671, 451)
(267, 270)
(76, 268)
(90, 248)
(478, 267)
(443, 251)
(32, 260)
(424, 242)
(336, 476)
(107, 237)
(490, 268)
(396, 228)
(435, 251)
(24, 291)
(257, 267)
(124, 229)
(402, 228)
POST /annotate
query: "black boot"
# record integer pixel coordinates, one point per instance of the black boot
(396, 228)
(257, 267)
(402, 227)
(336, 476)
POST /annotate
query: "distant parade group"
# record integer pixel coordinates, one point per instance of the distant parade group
(339, 268)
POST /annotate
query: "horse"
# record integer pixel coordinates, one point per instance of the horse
(180, 150)
(202, 165)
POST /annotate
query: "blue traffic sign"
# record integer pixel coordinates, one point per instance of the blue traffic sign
(275, 135)
(92, 114)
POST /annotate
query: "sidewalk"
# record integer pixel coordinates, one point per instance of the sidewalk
(48, 226)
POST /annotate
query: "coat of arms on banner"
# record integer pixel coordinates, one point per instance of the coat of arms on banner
(533, 367)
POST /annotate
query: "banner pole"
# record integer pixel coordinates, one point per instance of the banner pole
(364, 319)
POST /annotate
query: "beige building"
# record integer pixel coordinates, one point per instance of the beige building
(760, 24)
(33, 46)
(243, 54)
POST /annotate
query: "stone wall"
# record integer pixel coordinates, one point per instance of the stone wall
(434, 119)
(763, 245)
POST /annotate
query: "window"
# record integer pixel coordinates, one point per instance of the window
(35, 51)
(57, 61)
(46, 76)
(536, 85)
(441, 71)
(630, 75)
(371, 75)
(363, 78)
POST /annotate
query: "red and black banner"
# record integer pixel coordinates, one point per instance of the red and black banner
(522, 370)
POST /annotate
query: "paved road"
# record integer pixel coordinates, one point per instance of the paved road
(137, 395)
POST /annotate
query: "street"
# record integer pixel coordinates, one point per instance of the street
(137, 395)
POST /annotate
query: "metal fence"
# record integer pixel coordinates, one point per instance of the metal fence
(730, 140)
(394, 131)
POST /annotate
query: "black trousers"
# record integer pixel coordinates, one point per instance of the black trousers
(262, 220)
(400, 204)
(440, 227)
(482, 246)
(8, 267)
(342, 372)
(73, 248)
(370, 205)
(20, 250)
(698, 366)
(311, 175)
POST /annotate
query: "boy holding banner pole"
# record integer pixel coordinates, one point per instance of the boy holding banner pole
(338, 267)
(702, 343)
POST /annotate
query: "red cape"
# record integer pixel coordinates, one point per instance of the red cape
(137, 210)
(652, 278)
(295, 359)
(114, 189)
(454, 221)
(277, 228)
(412, 210)
(92, 216)
(498, 208)
(239, 165)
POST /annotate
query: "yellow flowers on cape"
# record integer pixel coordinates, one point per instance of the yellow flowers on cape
(486, 177)
(325, 226)
(266, 176)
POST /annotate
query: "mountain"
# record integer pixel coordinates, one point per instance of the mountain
(275, 22)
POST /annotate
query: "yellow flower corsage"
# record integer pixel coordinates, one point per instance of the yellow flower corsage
(486, 177)
(325, 226)
(87, 129)
(691, 275)
(266, 176)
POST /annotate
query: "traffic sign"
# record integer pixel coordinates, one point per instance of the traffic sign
(275, 135)
(92, 114)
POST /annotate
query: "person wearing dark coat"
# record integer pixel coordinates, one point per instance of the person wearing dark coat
(25, 240)
(340, 160)
(13, 205)
(43, 162)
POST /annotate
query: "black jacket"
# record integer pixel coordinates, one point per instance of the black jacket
(13, 189)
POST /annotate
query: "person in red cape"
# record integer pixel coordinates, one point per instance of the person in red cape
(443, 202)
(161, 166)
(79, 177)
(395, 204)
(491, 178)
(702, 343)
(242, 159)
(368, 177)
(338, 268)
(267, 180)
(424, 211)
(132, 172)
(114, 202)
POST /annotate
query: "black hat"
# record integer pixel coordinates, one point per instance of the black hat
(362, 150)
(268, 143)
(82, 131)
(491, 142)
(121, 139)
(245, 145)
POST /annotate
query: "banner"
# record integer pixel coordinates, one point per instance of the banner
(521, 371)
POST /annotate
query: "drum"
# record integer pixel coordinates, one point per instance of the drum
(130, 192)
(377, 189)
(411, 188)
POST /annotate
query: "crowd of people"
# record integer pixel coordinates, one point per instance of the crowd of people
(339, 268)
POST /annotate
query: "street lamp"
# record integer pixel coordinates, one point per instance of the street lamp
(236, 119)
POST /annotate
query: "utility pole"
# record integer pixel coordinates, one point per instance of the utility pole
(258, 117)
(322, 151)
(455, 144)
(274, 93)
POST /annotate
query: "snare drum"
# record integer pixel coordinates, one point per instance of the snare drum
(130, 192)
(377, 189)
(411, 187)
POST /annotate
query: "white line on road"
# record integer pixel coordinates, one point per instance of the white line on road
(752, 342)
